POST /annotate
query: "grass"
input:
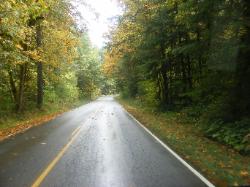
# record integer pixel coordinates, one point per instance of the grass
(13, 123)
(220, 164)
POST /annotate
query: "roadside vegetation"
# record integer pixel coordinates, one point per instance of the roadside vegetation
(13, 123)
(47, 63)
(221, 165)
(189, 57)
(182, 68)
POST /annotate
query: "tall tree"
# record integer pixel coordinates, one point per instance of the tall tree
(241, 101)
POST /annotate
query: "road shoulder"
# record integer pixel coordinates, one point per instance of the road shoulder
(222, 166)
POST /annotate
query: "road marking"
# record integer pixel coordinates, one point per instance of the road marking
(52, 164)
(195, 172)
(77, 129)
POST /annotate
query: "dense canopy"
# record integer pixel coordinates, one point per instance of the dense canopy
(187, 55)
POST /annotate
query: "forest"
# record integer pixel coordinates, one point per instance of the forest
(190, 57)
(180, 67)
(183, 56)
(46, 58)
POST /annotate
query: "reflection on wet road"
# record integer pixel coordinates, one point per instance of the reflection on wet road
(98, 144)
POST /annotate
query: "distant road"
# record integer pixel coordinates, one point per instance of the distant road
(96, 145)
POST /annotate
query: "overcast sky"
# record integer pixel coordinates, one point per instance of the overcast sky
(99, 25)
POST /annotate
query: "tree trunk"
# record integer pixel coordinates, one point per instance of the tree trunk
(200, 56)
(165, 87)
(12, 87)
(39, 68)
(19, 103)
(189, 73)
(241, 100)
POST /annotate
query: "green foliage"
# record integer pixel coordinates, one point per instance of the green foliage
(235, 134)
(88, 70)
(190, 56)
(32, 33)
(147, 93)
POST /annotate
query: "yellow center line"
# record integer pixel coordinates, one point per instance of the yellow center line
(45, 172)
(52, 164)
(77, 129)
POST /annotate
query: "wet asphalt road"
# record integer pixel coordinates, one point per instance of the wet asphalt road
(111, 149)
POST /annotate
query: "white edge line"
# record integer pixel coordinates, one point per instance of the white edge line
(200, 176)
